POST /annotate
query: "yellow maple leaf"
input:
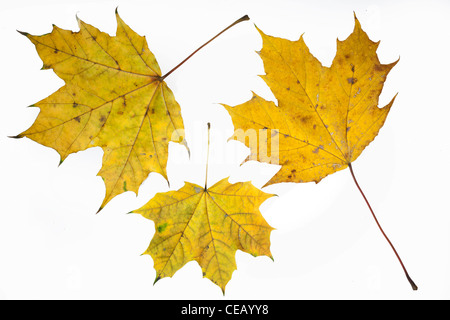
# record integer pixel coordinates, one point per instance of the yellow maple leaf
(325, 116)
(114, 97)
(207, 225)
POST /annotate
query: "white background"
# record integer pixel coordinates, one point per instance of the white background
(326, 245)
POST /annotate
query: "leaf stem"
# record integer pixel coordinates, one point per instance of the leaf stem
(413, 285)
(244, 18)
(207, 159)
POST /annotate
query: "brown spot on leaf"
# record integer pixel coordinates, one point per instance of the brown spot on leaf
(305, 119)
(352, 80)
(316, 150)
(77, 119)
(378, 67)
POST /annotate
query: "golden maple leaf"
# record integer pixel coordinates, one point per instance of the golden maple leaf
(325, 116)
(207, 225)
(114, 97)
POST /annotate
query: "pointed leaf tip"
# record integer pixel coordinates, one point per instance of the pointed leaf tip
(79, 22)
(19, 136)
(23, 33)
(357, 23)
(259, 30)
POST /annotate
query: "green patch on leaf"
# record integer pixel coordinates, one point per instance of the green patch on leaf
(161, 227)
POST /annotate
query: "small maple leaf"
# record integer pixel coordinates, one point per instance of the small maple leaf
(207, 225)
(325, 117)
(113, 97)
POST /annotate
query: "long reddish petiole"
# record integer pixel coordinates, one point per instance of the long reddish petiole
(413, 285)
(244, 18)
